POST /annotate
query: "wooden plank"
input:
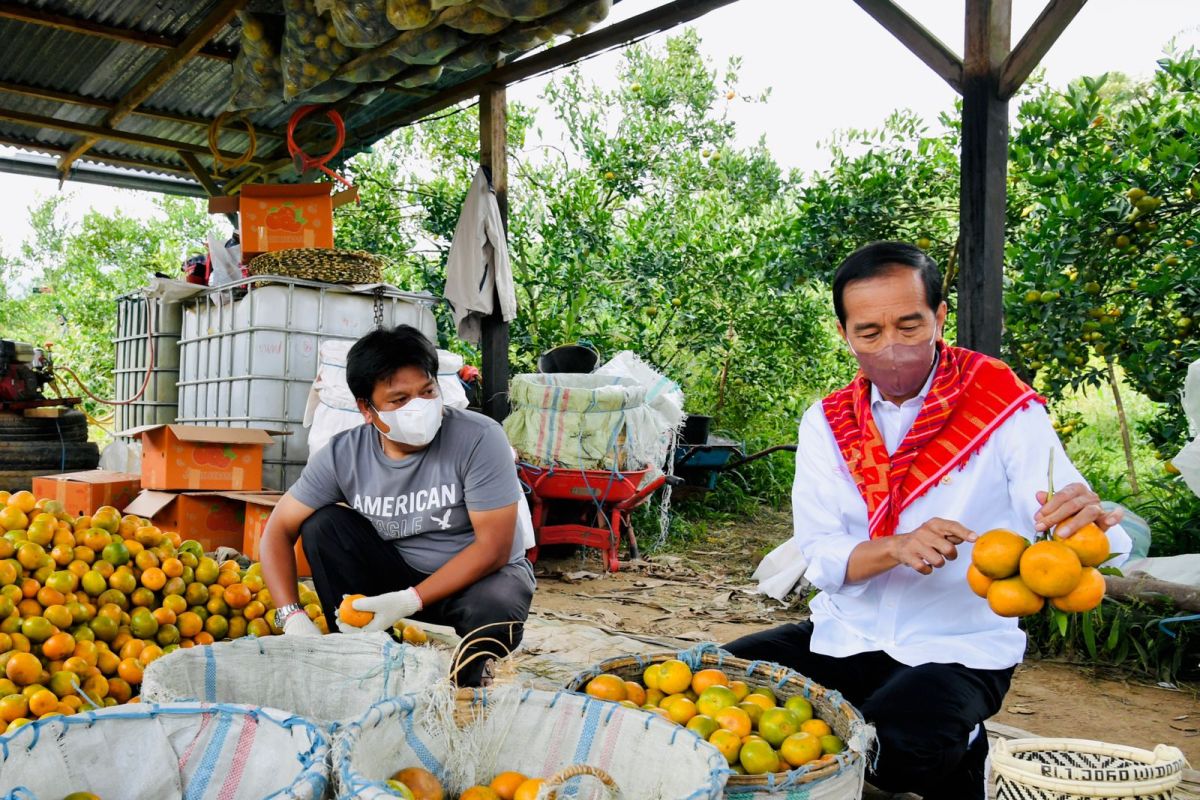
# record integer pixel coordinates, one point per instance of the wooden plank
(1036, 42)
(983, 186)
(658, 19)
(116, 161)
(56, 96)
(63, 22)
(918, 39)
(162, 72)
(207, 181)
(493, 156)
(128, 137)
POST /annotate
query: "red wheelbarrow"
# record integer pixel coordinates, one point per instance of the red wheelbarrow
(588, 507)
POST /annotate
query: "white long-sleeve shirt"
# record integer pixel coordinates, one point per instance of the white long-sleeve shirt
(478, 270)
(915, 618)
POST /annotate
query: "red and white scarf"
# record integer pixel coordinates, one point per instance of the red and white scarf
(971, 396)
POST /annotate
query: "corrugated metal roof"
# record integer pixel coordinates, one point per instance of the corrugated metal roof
(102, 69)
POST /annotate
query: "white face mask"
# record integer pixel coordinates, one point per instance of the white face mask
(414, 424)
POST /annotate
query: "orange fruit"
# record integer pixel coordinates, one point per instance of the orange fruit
(130, 670)
(351, 616)
(43, 702)
(23, 668)
(817, 727)
(759, 758)
(479, 793)
(528, 790)
(1090, 544)
(421, 782)
(735, 720)
(714, 698)
(59, 646)
(650, 676)
(1084, 597)
(506, 783)
(23, 500)
(777, 724)
(674, 676)
(703, 726)
(801, 748)
(760, 700)
(708, 677)
(1010, 597)
(997, 553)
(728, 742)
(237, 595)
(13, 706)
(681, 711)
(741, 689)
(635, 693)
(1050, 568)
(154, 578)
(978, 582)
(607, 687)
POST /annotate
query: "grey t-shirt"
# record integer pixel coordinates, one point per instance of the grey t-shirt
(419, 503)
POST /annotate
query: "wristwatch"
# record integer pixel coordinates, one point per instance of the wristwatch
(283, 612)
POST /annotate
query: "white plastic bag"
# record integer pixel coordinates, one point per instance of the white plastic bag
(1188, 460)
(779, 572)
(225, 260)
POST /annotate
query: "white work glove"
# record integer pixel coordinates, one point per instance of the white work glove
(298, 624)
(388, 609)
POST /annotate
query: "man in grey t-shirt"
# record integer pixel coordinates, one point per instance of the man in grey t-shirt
(416, 509)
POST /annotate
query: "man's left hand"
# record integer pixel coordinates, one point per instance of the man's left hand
(1071, 508)
(388, 609)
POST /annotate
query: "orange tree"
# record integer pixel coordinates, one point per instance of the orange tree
(1104, 216)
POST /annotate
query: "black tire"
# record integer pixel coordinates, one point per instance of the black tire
(19, 479)
(48, 456)
(72, 426)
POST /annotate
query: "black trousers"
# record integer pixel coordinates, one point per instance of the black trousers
(348, 557)
(922, 715)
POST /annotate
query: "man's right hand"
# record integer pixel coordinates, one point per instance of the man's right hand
(930, 546)
(298, 624)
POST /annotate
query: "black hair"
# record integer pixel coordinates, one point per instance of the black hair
(376, 357)
(878, 258)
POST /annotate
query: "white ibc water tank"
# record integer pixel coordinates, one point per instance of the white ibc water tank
(160, 401)
(248, 358)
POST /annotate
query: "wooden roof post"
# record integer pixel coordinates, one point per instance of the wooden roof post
(493, 155)
(983, 187)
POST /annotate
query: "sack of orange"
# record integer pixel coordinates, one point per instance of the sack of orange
(86, 603)
(415, 783)
(756, 735)
(1016, 577)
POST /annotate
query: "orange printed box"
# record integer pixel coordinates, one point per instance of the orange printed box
(283, 216)
(83, 492)
(214, 519)
(258, 511)
(201, 458)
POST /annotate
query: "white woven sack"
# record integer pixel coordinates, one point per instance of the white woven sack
(331, 407)
(533, 732)
(327, 679)
(145, 752)
(1081, 769)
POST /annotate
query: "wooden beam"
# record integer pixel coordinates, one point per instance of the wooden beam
(1036, 42)
(207, 181)
(162, 72)
(116, 161)
(128, 137)
(62, 22)
(493, 156)
(57, 96)
(983, 184)
(913, 35)
(658, 19)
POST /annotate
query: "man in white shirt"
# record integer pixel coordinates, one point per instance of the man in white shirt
(896, 476)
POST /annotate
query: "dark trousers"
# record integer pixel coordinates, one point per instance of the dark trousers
(922, 715)
(348, 557)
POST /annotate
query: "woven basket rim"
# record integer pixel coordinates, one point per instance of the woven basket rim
(773, 675)
(1009, 766)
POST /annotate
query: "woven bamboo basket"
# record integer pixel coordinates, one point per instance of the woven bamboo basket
(849, 766)
(319, 264)
(1081, 769)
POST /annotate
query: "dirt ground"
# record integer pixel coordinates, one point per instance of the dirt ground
(705, 594)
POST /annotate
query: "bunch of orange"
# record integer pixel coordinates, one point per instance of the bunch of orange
(1017, 577)
(415, 783)
(87, 603)
(755, 734)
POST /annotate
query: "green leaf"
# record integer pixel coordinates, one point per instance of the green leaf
(1061, 619)
(1111, 571)
(1089, 634)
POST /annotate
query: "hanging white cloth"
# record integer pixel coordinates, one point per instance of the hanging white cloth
(478, 269)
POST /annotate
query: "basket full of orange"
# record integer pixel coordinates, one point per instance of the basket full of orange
(778, 731)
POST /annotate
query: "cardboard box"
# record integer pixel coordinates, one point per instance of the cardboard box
(258, 509)
(283, 216)
(83, 492)
(214, 519)
(199, 458)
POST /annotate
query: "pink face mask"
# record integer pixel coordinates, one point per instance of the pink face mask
(898, 369)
